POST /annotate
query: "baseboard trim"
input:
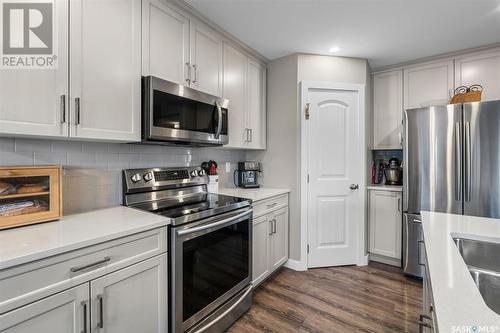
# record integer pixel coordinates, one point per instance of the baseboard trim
(363, 261)
(385, 260)
(296, 265)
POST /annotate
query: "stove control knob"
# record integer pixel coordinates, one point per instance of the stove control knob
(201, 173)
(135, 177)
(148, 176)
(194, 173)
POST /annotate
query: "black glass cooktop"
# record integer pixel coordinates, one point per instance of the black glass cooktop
(197, 206)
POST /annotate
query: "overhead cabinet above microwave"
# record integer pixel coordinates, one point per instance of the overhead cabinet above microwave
(101, 100)
(180, 50)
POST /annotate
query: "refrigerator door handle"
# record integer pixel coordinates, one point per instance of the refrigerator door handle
(458, 162)
(467, 166)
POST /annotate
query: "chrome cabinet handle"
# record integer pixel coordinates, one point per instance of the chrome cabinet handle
(100, 299)
(354, 187)
(467, 162)
(271, 205)
(399, 205)
(77, 111)
(84, 306)
(63, 109)
(188, 79)
(274, 226)
(458, 162)
(195, 70)
(81, 268)
(271, 227)
(251, 134)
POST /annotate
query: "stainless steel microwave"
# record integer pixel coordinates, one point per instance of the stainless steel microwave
(175, 114)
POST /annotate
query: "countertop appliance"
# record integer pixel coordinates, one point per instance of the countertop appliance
(393, 172)
(210, 246)
(247, 174)
(452, 165)
(175, 114)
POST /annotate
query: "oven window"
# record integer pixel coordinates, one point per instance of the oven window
(213, 264)
(175, 112)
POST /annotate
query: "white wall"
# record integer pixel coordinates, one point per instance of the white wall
(92, 171)
(281, 161)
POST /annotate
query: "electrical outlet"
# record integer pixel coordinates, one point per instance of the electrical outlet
(228, 167)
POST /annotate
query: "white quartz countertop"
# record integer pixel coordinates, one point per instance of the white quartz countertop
(33, 242)
(457, 301)
(254, 194)
(383, 187)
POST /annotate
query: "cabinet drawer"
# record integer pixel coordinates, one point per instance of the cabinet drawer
(264, 206)
(27, 283)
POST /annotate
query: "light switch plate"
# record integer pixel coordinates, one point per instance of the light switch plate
(228, 167)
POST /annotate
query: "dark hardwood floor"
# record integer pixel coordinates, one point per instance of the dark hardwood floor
(376, 298)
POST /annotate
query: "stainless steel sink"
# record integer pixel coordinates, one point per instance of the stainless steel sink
(483, 261)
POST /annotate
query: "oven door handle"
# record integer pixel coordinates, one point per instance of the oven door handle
(211, 225)
(222, 315)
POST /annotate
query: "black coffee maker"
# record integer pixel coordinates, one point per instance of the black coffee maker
(247, 174)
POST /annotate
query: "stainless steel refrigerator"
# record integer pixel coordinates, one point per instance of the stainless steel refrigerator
(451, 165)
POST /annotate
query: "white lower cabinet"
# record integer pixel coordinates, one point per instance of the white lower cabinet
(385, 225)
(65, 312)
(107, 298)
(270, 239)
(133, 299)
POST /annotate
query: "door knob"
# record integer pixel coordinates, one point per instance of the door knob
(354, 187)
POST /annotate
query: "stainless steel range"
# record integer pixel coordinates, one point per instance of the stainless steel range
(210, 240)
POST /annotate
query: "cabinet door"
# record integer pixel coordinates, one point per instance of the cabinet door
(256, 114)
(31, 100)
(133, 299)
(279, 240)
(481, 68)
(206, 59)
(165, 42)
(387, 109)
(105, 69)
(428, 84)
(65, 312)
(234, 89)
(385, 223)
(260, 249)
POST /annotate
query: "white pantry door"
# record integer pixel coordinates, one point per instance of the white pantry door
(335, 157)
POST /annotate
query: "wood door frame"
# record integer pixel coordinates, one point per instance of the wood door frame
(362, 257)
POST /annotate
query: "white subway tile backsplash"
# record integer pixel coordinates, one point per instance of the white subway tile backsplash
(92, 176)
(30, 145)
(8, 158)
(7, 144)
(66, 146)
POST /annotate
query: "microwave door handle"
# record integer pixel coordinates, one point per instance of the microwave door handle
(219, 120)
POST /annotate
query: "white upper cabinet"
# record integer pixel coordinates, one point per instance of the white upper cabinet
(428, 84)
(105, 76)
(206, 59)
(165, 39)
(480, 68)
(387, 109)
(234, 89)
(33, 101)
(244, 85)
(256, 115)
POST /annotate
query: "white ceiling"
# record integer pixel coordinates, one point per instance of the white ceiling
(385, 32)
